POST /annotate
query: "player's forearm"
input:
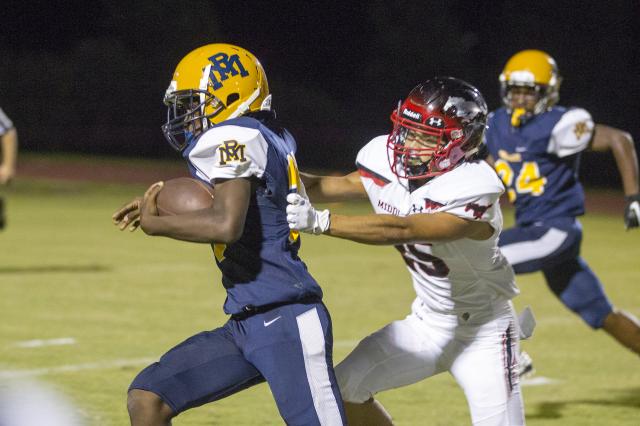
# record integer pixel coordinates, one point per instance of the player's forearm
(10, 149)
(196, 227)
(620, 143)
(332, 188)
(370, 229)
(624, 153)
(383, 229)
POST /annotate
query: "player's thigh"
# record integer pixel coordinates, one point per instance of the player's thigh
(543, 245)
(399, 354)
(486, 369)
(292, 347)
(203, 368)
(580, 290)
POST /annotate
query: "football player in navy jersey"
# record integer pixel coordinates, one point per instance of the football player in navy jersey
(279, 331)
(8, 153)
(535, 147)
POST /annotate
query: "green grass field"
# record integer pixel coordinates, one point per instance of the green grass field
(125, 298)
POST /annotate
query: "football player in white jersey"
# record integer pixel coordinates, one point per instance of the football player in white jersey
(439, 206)
(9, 152)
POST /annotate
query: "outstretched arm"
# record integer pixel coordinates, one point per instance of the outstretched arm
(621, 144)
(333, 188)
(9, 154)
(381, 229)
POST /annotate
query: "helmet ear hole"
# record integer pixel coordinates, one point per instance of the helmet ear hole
(232, 98)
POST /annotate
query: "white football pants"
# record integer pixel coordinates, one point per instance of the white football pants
(482, 357)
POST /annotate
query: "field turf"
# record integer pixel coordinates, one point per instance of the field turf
(121, 299)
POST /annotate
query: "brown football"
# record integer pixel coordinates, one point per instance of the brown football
(184, 195)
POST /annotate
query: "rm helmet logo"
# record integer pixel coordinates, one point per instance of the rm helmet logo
(225, 65)
(435, 122)
(412, 114)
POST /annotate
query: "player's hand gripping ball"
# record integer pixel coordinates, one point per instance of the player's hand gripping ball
(183, 195)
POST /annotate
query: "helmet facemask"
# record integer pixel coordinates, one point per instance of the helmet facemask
(415, 148)
(188, 115)
(545, 99)
(533, 70)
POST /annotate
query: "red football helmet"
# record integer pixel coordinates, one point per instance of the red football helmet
(439, 125)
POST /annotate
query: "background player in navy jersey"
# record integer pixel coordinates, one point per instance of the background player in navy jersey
(219, 117)
(8, 153)
(535, 147)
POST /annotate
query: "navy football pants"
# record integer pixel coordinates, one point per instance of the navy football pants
(290, 347)
(553, 247)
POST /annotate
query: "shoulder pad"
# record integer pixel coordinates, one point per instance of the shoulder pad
(572, 133)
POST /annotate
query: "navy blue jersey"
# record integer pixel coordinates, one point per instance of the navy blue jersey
(538, 161)
(263, 266)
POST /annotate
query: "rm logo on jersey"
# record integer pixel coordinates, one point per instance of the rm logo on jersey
(225, 66)
(231, 151)
(580, 129)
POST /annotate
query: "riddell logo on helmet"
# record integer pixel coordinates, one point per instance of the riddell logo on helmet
(412, 114)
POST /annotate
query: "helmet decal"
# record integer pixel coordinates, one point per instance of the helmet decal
(437, 122)
(223, 65)
(412, 114)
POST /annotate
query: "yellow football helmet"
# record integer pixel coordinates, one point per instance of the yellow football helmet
(534, 69)
(213, 83)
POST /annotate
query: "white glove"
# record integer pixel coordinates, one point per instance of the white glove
(302, 216)
(632, 211)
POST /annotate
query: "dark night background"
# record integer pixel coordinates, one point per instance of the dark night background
(88, 77)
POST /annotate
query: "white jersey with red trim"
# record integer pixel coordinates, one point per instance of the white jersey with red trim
(462, 277)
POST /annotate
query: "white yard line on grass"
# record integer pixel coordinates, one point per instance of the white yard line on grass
(539, 381)
(116, 363)
(104, 365)
(133, 362)
(39, 343)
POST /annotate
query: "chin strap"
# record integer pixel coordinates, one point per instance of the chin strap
(516, 116)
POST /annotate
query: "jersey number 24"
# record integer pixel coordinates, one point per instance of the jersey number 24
(529, 180)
